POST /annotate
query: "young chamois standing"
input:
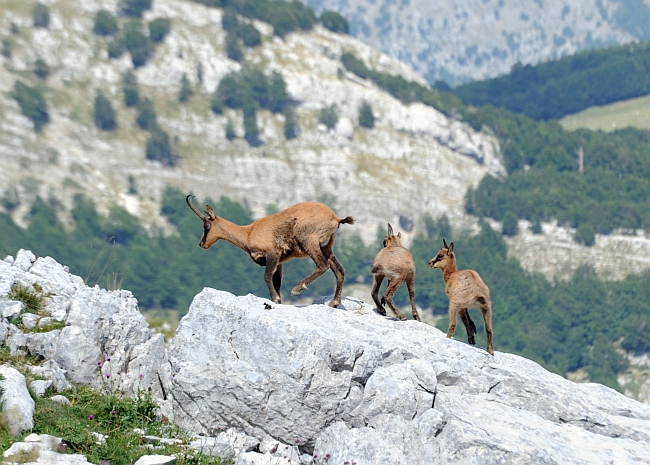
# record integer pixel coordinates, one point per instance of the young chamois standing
(465, 290)
(306, 229)
(395, 263)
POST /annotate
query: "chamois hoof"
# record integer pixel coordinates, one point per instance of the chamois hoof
(334, 304)
(471, 341)
(298, 289)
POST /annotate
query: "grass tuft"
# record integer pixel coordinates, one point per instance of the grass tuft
(32, 296)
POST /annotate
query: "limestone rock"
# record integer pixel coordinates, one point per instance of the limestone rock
(16, 402)
(366, 388)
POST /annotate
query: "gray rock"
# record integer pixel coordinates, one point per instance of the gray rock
(39, 386)
(229, 443)
(51, 370)
(16, 402)
(361, 387)
(156, 460)
(60, 399)
(30, 320)
(10, 308)
(4, 330)
(41, 449)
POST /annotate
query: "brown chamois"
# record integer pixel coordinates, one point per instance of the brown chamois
(395, 263)
(306, 229)
(465, 290)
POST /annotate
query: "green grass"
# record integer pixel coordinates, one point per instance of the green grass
(32, 296)
(108, 414)
(628, 113)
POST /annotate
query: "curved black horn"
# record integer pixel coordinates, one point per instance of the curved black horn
(188, 200)
(444, 242)
(390, 230)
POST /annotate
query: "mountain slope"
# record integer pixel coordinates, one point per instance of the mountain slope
(414, 161)
(476, 39)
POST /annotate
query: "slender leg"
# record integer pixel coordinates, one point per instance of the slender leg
(377, 279)
(410, 285)
(453, 313)
(487, 317)
(277, 280)
(322, 265)
(383, 301)
(269, 275)
(339, 272)
(388, 297)
(470, 327)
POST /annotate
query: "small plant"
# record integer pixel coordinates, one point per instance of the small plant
(130, 89)
(41, 15)
(159, 148)
(186, 89)
(32, 296)
(230, 130)
(7, 47)
(510, 224)
(41, 70)
(159, 28)
(105, 23)
(366, 117)
(137, 43)
(134, 8)
(104, 113)
(335, 22)
(329, 116)
(147, 116)
(585, 234)
(32, 104)
(233, 49)
(291, 127)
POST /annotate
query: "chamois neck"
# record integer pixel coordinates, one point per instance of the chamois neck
(449, 270)
(236, 234)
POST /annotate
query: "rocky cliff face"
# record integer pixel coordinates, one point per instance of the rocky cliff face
(476, 39)
(282, 384)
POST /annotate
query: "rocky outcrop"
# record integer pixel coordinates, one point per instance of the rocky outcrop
(264, 382)
(366, 388)
(15, 400)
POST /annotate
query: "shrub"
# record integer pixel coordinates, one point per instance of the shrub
(116, 47)
(147, 115)
(130, 89)
(31, 296)
(136, 42)
(278, 97)
(233, 49)
(134, 7)
(41, 15)
(366, 118)
(229, 91)
(249, 107)
(334, 22)
(186, 89)
(104, 113)
(41, 70)
(329, 116)
(32, 104)
(230, 130)
(536, 227)
(159, 147)
(585, 234)
(291, 128)
(230, 21)
(105, 23)
(7, 47)
(510, 224)
(249, 35)
(159, 28)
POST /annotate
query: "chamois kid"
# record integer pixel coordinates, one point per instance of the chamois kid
(465, 290)
(395, 263)
(307, 229)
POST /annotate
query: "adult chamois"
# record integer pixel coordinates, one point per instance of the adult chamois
(465, 290)
(307, 229)
(395, 263)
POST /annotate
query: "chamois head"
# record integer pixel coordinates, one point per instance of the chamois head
(209, 218)
(391, 240)
(444, 256)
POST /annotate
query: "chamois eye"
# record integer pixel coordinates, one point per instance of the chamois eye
(206, 225)
(439, 256)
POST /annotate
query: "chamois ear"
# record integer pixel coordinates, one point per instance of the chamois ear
(451, 248)
(399, 234)
(390, 230)
(444, 243)
(210, 212)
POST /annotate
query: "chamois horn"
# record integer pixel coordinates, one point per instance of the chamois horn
(188, 200)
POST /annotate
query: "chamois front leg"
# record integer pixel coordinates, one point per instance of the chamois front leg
(339, 273)
(272, 278)
(376, 283)
(454, 309)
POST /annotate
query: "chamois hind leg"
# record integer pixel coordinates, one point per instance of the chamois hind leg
(388, 297)
(376, 282)
(272, 266)
(277, 280)
(322, 265)
(410, 285)
(454, 309)
(470, 327)
(487, 317)
(339, 272)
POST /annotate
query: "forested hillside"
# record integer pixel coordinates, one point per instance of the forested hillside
(554, 89)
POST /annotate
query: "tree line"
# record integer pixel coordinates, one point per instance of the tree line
(563, 326)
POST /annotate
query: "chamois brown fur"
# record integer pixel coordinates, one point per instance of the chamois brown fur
(306, 229)
(395, 263)
(465, 290)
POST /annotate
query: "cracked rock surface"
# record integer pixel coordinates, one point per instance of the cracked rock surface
(369, 389)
